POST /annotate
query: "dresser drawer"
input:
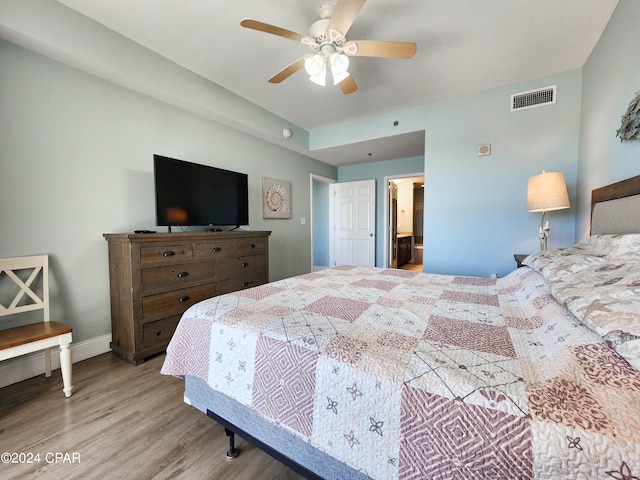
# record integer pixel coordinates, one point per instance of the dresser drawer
(234, 266)
(216, 249)
(174, 302)
(176, 276)
(165, 254)
(251, 245)
(158, 333)
(248, 280)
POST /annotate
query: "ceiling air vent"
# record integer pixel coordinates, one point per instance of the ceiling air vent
(533, 98)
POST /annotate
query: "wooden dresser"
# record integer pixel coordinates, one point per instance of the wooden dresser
(155, 277)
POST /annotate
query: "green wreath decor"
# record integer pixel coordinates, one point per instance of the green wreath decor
(630, 128)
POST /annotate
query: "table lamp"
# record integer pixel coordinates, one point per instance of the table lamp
(546, 192)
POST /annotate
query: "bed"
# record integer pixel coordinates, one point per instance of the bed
(356, 372)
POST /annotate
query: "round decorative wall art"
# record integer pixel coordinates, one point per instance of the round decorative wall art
(276, 198)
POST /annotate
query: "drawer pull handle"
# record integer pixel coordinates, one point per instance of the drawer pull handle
(252, 245)
(244, 264)
(158, 333)
(169, 253)
(183, 299)
(217, 249)
(245, 284)
(183, 274)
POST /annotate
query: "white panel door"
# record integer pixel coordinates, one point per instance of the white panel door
(353, 221)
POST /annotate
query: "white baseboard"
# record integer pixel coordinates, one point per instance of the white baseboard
(21, 368)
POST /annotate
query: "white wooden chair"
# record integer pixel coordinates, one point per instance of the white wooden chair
(32, 295)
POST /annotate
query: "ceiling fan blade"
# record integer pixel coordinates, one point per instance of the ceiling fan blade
(373, 48)
(289, 70)
(272, 29)
(344, 15)
(348, 85)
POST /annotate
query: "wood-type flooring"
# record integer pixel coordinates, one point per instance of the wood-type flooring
(122, 422)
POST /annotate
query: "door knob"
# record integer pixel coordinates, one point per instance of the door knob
(371, 234)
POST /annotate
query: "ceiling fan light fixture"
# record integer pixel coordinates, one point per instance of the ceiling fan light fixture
(316, 67)
(339, 63)
(339, 77)
(320, 79)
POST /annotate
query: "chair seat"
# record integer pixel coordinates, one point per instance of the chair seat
(16, 336)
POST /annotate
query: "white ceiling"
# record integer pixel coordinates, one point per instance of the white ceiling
(464, 46)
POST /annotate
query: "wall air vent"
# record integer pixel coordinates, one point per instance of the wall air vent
(533, 98)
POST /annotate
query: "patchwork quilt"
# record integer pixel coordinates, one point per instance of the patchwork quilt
(406, 375)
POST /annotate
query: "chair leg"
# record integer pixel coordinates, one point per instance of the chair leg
(65, 366)
(47, 362)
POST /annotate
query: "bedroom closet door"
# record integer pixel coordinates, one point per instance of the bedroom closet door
(353, 223)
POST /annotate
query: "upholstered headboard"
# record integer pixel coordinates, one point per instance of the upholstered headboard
(616, 207)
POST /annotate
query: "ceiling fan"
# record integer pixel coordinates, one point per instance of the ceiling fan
(330, 46)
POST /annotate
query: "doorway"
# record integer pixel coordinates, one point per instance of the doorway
(320, 231)
(404, 216)
(343, 222)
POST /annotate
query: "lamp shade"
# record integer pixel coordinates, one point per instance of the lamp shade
(316, 67)
(546, 192)
(339, 65)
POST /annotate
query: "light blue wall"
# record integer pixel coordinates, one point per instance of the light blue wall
(475, 207)
(76, 161)
(320, 224)
(611, 78)
(377, 171)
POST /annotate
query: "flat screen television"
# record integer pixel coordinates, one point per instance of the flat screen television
(190, 194)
